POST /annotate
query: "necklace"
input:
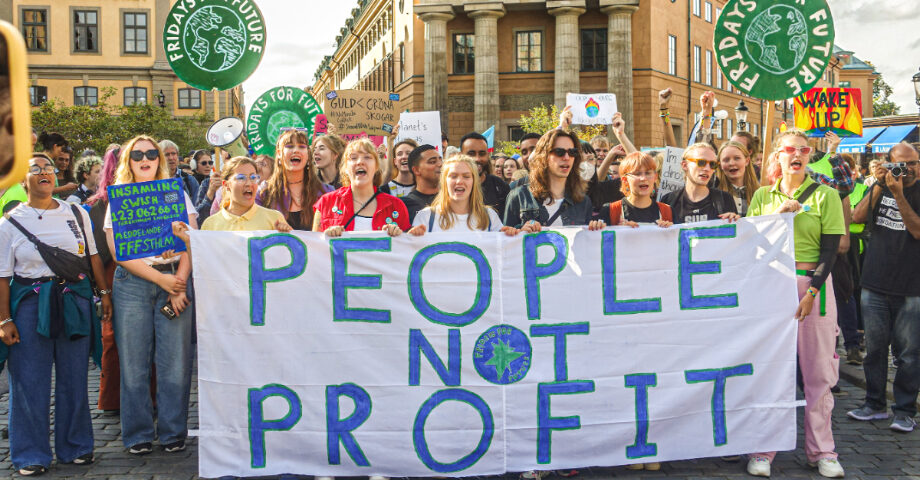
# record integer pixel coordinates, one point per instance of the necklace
(39, 214)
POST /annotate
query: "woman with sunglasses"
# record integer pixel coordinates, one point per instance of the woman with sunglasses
(695, 201)
(458, 206)
(818, 226)
(35, 338)
(142, 332)
(640, 180)
(294, 186)
(201, 165)
(359, 205)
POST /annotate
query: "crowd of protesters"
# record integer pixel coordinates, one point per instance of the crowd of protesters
(141, 330)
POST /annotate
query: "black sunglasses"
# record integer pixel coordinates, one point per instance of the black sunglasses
(560, 152)
(138, 155)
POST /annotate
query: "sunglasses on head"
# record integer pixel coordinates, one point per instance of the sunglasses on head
(700, 162)
(560, 152)
(790, 150)
(138, 155)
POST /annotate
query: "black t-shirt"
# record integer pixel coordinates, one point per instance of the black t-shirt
(892, 259)
(416, 201)
(604, 191)
(649, 214)
(686, 211)
(494, 193)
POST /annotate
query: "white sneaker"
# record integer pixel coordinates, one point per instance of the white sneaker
(323, 478)
(759, 466)
(377, 477)
(829, 467)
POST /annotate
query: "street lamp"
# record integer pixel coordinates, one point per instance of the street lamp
(161, 99)
(916, 80)
(741, 113)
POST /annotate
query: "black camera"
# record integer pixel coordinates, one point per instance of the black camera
(896, 169)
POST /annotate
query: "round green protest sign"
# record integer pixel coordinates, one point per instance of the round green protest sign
(214, 44)
(280, 107)
(774, 49)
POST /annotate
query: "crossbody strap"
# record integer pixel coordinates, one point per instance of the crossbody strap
(431, 216)
(79, 215)
(803, 197)
(28, 234)
(556, 215)
(368, 202)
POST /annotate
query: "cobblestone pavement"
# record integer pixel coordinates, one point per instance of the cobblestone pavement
(868, 450)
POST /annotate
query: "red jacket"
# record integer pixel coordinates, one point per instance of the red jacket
(337, 207)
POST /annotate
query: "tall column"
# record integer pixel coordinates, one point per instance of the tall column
(619, 55)
(485, 48)
(567, 43)
(436, 18)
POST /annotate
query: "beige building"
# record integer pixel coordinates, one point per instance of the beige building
(76, 48)
(487, 63)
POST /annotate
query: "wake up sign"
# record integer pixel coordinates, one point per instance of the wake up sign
(142, 216)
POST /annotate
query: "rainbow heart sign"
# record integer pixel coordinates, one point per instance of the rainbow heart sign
(591, 109)
(838, 110)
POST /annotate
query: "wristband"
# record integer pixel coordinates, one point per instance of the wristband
(103, 292)
(8, 320)
(812, 291)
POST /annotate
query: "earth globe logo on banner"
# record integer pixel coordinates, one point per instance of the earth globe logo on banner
(774, 49)
(214, 44)
(502, 355)
(278, 108)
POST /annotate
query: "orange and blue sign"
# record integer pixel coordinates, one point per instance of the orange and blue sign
(838, 110)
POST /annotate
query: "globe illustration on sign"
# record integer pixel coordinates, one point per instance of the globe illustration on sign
(592, 108)
(777, 39)
(282, 119)
(215, 38)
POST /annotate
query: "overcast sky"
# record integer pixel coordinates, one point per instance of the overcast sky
(883, 32)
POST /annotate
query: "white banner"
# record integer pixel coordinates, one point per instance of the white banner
(592, 108)
(478, 354)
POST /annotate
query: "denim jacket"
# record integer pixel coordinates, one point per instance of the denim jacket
(521, 207)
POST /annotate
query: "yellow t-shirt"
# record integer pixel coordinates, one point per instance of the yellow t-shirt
(257, 218)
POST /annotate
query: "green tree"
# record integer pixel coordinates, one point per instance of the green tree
(97, 127)
(542, 119)
(881, 105)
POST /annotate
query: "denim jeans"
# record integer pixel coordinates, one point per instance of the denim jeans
(892, 320)
(848, 322)
(30, 393)
(144, 336)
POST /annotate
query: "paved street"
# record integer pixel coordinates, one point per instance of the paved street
(868, 451)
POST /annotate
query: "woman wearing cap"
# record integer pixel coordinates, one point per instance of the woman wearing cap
(818, 226)
(143, 331)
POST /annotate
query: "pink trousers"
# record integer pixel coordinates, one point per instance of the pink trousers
(818, 360)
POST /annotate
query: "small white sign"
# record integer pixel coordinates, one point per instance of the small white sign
(423, 127)
(592, 108)
(672, 175)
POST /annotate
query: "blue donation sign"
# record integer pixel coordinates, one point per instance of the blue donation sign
(142, 216)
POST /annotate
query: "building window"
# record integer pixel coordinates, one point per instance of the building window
(402, 62)
(86, 96)
(696, 7)
(719, 83)
(35, 29)
(135, 95)
(844, 84)
(464, 60)
(38, 95)
(708, 12)
(189, 98)
(529, 48)
(515, 132)
(85, 31)
(135, 32)
(708, 67)
(696, 63)
(731, 129)
(672, 55)
(718, 13)
(594, 49)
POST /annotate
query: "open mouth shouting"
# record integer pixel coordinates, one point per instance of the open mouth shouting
(796, 164)
(44, 181)
(359, 173)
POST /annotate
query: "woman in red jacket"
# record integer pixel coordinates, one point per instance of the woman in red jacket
(359, 205)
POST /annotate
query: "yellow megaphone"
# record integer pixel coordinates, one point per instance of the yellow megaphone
(15, 111)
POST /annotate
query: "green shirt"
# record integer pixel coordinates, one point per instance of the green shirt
(824, 215)
(15, 192)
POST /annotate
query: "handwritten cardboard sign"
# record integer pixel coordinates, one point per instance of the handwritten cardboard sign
(672, 175)
(142, 216)
(423, 127)
(820, 110)
(592, 109)
(357, 111)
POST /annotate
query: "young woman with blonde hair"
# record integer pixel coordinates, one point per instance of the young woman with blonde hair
(294, 185)
(327, 156)
(736, 174)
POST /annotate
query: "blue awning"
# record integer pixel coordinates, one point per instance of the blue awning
(858, 144)
(891, 137)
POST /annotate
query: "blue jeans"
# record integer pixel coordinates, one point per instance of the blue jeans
(145, 336)
(30, 393)
(892, 320)
(848, 322)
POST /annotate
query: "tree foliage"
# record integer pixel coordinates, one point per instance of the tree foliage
(542, 119)
(97, 127)
(881, 105)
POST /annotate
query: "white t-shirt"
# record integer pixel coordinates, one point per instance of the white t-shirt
(421, 218)
(58, 227)
(399, 190)
(157, 260)
(552, 209)
(363, 224)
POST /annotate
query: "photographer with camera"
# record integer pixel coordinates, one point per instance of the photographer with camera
(891, 287)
